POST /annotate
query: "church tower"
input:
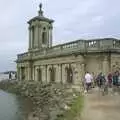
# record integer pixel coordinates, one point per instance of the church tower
(40, 31)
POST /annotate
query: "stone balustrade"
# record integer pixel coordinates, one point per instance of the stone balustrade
(22, 55)
(79, 45)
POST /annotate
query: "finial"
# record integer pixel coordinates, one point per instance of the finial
(40, 6)
(40, 11)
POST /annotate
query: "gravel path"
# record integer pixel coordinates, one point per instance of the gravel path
(98, 107)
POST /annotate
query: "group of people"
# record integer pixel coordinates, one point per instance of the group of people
(101, 80)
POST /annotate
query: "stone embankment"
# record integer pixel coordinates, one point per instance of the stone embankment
(51, 100)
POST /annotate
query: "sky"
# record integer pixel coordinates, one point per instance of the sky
(74, 19)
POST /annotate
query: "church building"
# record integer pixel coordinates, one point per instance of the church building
(64, 63)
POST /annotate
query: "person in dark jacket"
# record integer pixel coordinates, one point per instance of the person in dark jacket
(115, 78)
(100, 80)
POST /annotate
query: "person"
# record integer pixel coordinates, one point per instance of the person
(88, 81)
(115, 80)
(109, 77)
(10, 76)
(101, 82)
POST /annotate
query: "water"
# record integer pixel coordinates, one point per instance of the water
(14, 107)
(4, 76)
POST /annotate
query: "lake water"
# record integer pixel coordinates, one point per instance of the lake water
(6, 76)
(14, 107)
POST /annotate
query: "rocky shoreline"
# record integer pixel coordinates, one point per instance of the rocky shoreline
(50, 100)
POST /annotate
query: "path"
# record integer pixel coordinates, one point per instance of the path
(99, 107)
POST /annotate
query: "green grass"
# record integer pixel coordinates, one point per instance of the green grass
(74, 111)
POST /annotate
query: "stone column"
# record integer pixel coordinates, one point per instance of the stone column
(82, 70)
(57, 79)
(20, 73)
(36, 73)
(36, 36)
(76, 75)
(50, 37)
(29, 71)
(29, 37)
(43, 70)
(59, 73)
(47, 37)
(63, 74)
(33, 72)
(26, 73)
(48, 73)
(32, 40)
(81, 73)
(40, 36)
(105, 65)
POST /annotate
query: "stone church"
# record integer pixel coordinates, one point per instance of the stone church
(64, 63)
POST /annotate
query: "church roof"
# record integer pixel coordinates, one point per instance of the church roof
(41, 17)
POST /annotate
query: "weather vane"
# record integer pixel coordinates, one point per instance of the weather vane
(40, 11)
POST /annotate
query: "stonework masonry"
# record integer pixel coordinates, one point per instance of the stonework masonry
(64, 63)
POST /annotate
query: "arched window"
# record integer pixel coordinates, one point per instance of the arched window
(44, 37)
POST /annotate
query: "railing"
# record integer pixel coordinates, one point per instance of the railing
(85, 45)
(20, 56)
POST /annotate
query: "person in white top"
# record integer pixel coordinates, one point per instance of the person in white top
(88, 80)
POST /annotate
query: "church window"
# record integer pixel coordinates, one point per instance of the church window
(44, 37)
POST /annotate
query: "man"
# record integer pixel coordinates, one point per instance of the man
(102, 83)
(109, 77)
(115, 80)
(88, 80)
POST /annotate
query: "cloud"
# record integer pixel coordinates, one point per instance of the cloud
(73, 20)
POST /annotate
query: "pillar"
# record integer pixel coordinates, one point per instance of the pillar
(40, 36)
(33, 72)
(32, 40)
(63, 74)
(29, 37)
(59, 73)
(76, 75)
(50, 37)
(26, 73)
(43, 70)
(20, 73)
(82, 70)
(105, 65)
(48, 73)
(36, 37)
(47, 37)
(29, 71)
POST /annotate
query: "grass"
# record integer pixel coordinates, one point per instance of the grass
(74, 111)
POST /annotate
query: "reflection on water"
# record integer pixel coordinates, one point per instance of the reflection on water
(14, 107)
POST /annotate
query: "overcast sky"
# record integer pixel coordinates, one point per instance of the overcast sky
(74, 19)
